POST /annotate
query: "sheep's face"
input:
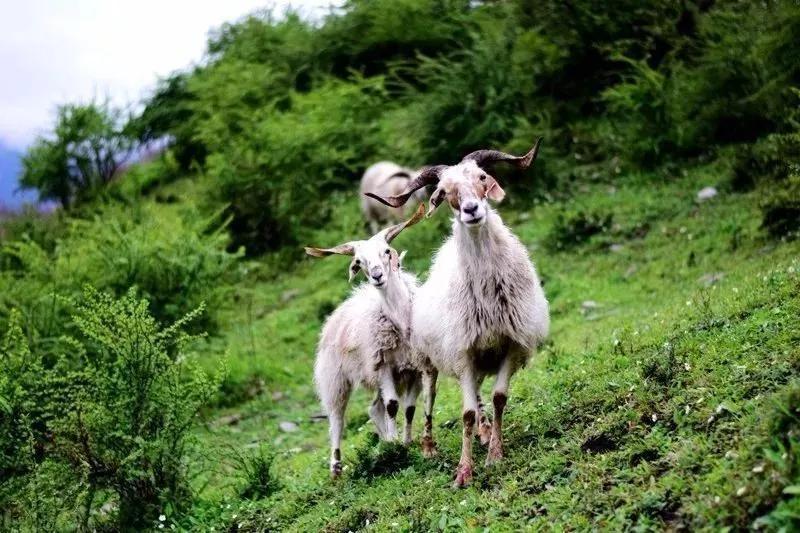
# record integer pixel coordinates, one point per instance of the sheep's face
(467, 188)
(373, 256)
(376, 259)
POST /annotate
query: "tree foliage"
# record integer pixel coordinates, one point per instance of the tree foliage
(87, 146)
(636, 83)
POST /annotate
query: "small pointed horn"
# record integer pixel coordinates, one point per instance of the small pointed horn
(393, 231)
(342, 249)
(486, 158)
(428, 176)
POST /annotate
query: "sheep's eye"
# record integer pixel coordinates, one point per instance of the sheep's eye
(483, 177)
(358, 262)
(387, 252)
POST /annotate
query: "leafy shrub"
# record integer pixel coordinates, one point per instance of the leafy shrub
(32, 224)
(115, 408)
(772, 158)
(371, 36)
(276, 178)
(256, 471)
(175, 258)
(385, 458)
(780, 208)
(573, 229)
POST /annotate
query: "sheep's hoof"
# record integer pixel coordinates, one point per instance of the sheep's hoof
(428, 447)
(495, 454)
(463, 476)
(336, 469)
(485, 432)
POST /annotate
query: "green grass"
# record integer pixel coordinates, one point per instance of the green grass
(664, 403)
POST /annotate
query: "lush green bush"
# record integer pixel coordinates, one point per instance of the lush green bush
(114, 408)
(175, 257)
(780, 208)
(258, 479)
(275, 178)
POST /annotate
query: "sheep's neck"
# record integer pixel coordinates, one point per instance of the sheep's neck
(397, 302)
(480, 240)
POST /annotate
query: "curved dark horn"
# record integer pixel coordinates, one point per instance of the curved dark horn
(342, 249)
(394, 231)
(428, 176)
(485, 158)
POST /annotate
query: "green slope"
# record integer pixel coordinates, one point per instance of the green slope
(667, 396)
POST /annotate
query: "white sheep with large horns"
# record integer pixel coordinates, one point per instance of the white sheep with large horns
(384, 179)
(482, 310)
(364, 342)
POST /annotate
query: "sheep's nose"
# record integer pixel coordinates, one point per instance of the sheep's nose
(470, 207)
(376, 273)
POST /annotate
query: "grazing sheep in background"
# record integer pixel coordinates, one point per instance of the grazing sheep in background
(385, 179)
(365, 340)
(482, 310)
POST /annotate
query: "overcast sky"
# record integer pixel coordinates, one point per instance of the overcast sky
(59, 51)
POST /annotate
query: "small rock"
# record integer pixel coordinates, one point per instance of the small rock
(290, 294)
(588, 307)
(706, 193)
(228, 420)
(711, 278)
(741, 492)
(616, 248)
(288, 427)
(276, 396)
(758, 468)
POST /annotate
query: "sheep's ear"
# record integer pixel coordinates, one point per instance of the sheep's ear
(493, 190)
(394, 259)
(342, 249)
(436, 198)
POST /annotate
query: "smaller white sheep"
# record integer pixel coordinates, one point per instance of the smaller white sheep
(365, 340)
(384, 179)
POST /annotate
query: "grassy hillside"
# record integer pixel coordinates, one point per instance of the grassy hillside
(666, 397)
(157, 331)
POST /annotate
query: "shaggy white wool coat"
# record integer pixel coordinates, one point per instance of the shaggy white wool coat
(363, 334)
(481, 299)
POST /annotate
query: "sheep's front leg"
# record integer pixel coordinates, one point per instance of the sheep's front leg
(429, 377)
(499, 399)
(410, 406)
(469, 394)
(377, 413)
(389, 394)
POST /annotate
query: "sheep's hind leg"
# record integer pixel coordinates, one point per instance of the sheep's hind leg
(499, 399)
(336, 421)
(469, 395)
(429, 377)
(484, 427)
